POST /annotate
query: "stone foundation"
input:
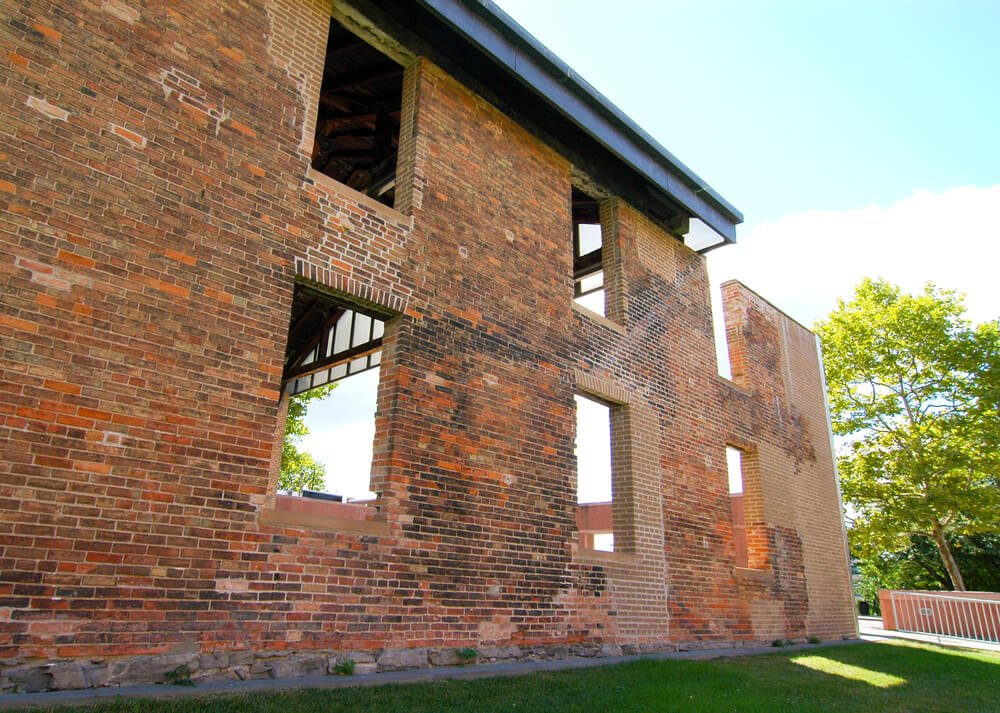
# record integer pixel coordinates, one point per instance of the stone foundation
(35, 677)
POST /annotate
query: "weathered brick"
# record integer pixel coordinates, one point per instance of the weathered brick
(146, 308)
(48, 109)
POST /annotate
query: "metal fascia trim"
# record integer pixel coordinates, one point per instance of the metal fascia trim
(488, 27)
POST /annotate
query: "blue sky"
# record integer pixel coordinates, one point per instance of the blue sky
(792, 106)
(859, 136)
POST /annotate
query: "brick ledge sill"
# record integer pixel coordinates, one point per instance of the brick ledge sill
(749, 574)
(598, 319)
(602, 557)
(294, 511)
(324, 182)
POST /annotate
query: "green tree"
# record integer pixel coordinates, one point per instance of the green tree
(913, 389)
(298, 468)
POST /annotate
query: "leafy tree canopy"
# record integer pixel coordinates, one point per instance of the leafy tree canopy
(914, 390)
(298, 468)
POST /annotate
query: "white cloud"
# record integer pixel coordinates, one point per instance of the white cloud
(341, 431)
(804, 262)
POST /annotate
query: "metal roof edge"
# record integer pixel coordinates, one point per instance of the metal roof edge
(519, 53)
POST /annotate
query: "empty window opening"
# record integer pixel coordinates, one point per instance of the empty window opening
(341, 433)
(593, 474)
(331, 379)
(357, 125)
(588, 244)
(603, 541)
(723, 359)
(734, 465)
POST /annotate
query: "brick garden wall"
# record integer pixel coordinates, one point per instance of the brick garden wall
(156, 208)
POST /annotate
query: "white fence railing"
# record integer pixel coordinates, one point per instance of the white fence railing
(946, 615)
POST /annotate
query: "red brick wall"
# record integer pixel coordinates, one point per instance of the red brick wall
(739, 531)
(147, 286)
(155, 210)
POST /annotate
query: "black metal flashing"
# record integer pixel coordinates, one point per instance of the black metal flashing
(485, 48)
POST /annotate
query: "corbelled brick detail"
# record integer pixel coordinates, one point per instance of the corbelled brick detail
(156, 209)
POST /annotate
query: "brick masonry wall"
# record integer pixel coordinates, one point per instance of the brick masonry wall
(792, 502)
(156, 207)
(150, 242)
(665, 360)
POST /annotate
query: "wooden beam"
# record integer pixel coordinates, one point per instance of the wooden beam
(587, 264)
(362, 350)
(331, 133)
(362, 78)
(344, 47)
(366, 115)
(315, 339)
(351, 153)
(384, 128)
(305, 313)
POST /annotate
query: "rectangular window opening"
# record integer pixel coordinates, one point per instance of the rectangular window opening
(734, 466)
(357, 124)
(331, 377)
(594, 475)
(588, 244)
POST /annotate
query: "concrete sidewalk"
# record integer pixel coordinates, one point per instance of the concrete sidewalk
(871, 629)
(9, 701)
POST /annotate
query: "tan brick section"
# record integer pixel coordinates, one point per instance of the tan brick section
(792, 503)
(156, 209)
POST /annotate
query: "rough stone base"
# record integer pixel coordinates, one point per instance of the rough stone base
(27, 677)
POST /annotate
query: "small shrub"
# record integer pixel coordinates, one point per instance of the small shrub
(345, 667)
(180, 676)
(466, 655)
(778, 642)
(815, 640)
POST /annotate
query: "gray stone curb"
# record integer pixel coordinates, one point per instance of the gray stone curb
(28, 701)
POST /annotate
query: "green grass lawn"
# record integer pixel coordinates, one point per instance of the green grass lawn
(861, 677)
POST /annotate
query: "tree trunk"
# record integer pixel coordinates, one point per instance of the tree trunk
(949, 560)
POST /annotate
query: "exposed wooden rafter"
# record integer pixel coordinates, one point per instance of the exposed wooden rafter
(357, 129)
(362, 79)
